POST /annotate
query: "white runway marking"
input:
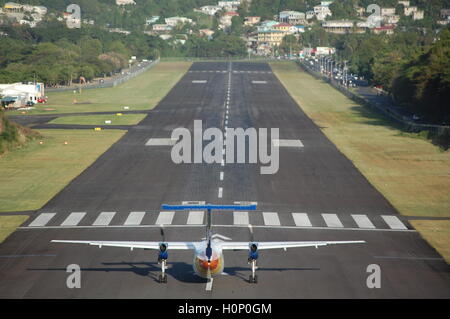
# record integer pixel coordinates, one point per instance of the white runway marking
(332, 220)
(393, 222)
(221, 176)
(287, 143)
(42, 219)
(195, 218)
(301, 219)
(271, 219)
(240, 218)
(164, 218)
(193, 202)
(259, 82)
(104, 219)
(220, 192)
(363, 221)
(209, 284)
(161, 142)
(199, 81)
(73, 219)
(135, 218)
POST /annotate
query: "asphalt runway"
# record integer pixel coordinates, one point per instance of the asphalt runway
(315, 180)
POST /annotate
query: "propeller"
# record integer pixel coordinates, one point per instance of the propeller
(161, 231)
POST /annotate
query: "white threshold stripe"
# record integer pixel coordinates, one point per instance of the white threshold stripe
(240, 218)
(393, 222)
(73, 219)
(104, 219)
(42, 219)
(220, 192)
(165, 218)
(221, 176)
(301, 219)
(332, 220)
(271, 219)
(195, 218)
(363, 221)
(135, 218)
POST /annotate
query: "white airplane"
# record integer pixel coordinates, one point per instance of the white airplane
(208, 253)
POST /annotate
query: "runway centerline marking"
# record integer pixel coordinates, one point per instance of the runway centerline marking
(220, 192)
(221, 176)
(209, 284)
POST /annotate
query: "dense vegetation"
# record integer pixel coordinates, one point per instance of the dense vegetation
(13, 135)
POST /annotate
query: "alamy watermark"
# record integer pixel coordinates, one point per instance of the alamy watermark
(222, 149)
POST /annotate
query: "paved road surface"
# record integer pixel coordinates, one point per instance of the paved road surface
(317, 194)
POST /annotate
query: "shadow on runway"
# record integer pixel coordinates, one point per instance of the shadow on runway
(180, 271)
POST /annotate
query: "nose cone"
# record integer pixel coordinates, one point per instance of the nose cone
(212, 264)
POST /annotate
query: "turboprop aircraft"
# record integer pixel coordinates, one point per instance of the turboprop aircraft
(208, 253)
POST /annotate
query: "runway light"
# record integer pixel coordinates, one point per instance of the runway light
(40, 142)
(97, 129)
(119, 114)
(65, 143)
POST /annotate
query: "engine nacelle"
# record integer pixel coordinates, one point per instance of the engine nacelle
(253, 251)
(163, 254)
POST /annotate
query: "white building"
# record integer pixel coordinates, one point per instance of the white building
(174, 21)
(292, 17)
(210, 10)
(124, 2)
(19, 93)
(387, 12)
(229, 5)
(322, 12)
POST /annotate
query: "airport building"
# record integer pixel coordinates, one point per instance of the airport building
(18, 94)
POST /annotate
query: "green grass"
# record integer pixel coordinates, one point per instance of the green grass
(412, 173)
(437, 233)
(32, 175)
(8, 225)
(140, 93)
(124, 119)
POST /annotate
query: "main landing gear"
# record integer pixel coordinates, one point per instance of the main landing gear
(162, 260)
(252, 257)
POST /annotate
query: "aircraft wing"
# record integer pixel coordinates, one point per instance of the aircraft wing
(133, 244)
(283, 244)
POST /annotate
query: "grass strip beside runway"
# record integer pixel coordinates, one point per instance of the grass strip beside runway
(124, 119)
(437, 233)
(410, 172)
(8, 224)
(140, 93)
(32, 175)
